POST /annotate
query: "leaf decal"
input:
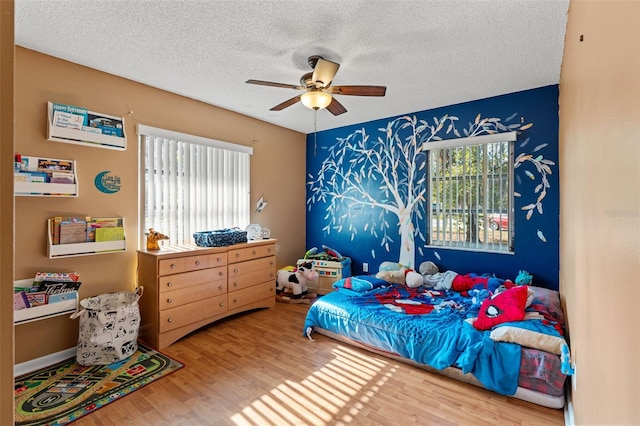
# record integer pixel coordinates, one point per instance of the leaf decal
(541, 236)
(526, 126)
(529, 214)
(539, 147)
(528, 173)
(437, 255)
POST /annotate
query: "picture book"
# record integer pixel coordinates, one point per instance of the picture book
(73, 231)
(101, 222)
(69, 116)
(20, 301)
(61, 297)
(37, 298)
(56, 276)
(56, 287)
(109, 234)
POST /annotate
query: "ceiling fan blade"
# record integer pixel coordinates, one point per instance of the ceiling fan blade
(323, 72)
(358, 90)
(336, 108)
(286, 104)
(272, 84)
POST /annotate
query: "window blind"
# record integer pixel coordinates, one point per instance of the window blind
(193, 184)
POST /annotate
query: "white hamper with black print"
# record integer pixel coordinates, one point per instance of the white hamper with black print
(109, 325)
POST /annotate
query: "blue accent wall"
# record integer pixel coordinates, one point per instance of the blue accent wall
(367, 233)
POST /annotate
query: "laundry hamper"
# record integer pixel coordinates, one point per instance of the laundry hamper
(109, 325)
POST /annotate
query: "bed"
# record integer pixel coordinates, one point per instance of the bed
(508, 340)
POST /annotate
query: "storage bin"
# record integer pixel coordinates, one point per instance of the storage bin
(220, 237)
(109, 325)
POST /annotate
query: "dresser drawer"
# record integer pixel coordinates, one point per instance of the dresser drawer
(252, 278)
(192, 312)
(189, 279)
(248, 253)
(174, 298)
(264, 264)
(219, 259)
(184, 264)
(251, 294)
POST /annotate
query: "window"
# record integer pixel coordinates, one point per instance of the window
(471, 193)
(192, 184)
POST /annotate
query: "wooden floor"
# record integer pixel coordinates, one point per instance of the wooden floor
(258, 369)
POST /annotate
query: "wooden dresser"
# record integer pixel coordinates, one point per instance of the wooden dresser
(187, 287)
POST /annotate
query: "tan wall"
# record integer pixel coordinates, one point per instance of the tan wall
(600, 207)
(6, 210)
(41, 78)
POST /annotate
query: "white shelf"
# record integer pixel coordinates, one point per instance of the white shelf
(38, 313)
(31, 189)
(82, 137)
(57, 251)
(46, 189)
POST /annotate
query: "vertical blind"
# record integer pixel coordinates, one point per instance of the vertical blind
(193, 184)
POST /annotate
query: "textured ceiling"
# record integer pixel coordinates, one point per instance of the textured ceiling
(428, 53)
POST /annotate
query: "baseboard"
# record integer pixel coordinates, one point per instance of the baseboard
(568, 409)
(42, 362)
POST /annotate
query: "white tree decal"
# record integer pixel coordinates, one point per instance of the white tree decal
(386, 175)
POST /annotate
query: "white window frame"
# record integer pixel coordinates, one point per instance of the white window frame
(484, 236)
(228, 156)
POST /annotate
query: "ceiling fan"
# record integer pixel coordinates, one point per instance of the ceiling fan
(318, 92)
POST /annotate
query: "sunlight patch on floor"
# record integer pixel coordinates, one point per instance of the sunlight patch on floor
(336, 392)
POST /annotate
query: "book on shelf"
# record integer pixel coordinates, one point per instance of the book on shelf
(56, 276)
(69, 116)
(62, 297)
(109, 234)
(37, 298)
(73, 232)
(101, 222)
(57, 287)
(49, 164)
(20, 301)
(107, 125)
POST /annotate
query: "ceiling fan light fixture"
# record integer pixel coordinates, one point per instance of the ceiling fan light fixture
(316, 99)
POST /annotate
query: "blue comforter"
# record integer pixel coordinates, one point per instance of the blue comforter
(425, 326)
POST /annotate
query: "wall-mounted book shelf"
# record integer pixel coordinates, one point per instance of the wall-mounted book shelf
(37, 313)
(71, 124)
(45, 177)
(57, 251)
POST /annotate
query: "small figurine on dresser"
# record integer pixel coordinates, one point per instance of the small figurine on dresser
(152, 239)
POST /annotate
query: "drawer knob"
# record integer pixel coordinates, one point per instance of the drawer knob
(219, 259)
(169, 284)
(169, 319)
(197, 262)
(169, 300)
(235, 300)
(237, 254)
(221, 287)
(271, 263)
(221, 273)
(221, 303)
(254, 252)
(235, 284)
(271, 274)
(235, 271)
(173, 266)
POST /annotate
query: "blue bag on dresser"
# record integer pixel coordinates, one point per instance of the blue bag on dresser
(220, 237)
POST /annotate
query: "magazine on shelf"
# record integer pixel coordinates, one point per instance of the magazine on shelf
(69, 116)
(57, 287)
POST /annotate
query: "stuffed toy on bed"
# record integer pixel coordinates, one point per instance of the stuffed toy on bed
(395, 273)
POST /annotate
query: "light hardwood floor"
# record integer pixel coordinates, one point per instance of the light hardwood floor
(258, 369)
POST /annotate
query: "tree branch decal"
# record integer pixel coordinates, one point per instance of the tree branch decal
(373, 185)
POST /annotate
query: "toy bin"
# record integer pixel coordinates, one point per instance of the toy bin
(328, 273)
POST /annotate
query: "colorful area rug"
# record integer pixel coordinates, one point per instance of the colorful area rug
(63, 392)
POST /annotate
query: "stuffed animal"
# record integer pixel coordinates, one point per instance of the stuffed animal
(396, 273)
(524, 278)
(296, 280)
(152, 239)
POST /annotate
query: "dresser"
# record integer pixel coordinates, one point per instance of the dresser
(187, 287)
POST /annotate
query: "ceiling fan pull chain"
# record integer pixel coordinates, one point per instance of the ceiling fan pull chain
(315, 131)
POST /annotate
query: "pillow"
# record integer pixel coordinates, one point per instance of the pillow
(551, 300)
(506, 306)
(359, 283)
(529, 338)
